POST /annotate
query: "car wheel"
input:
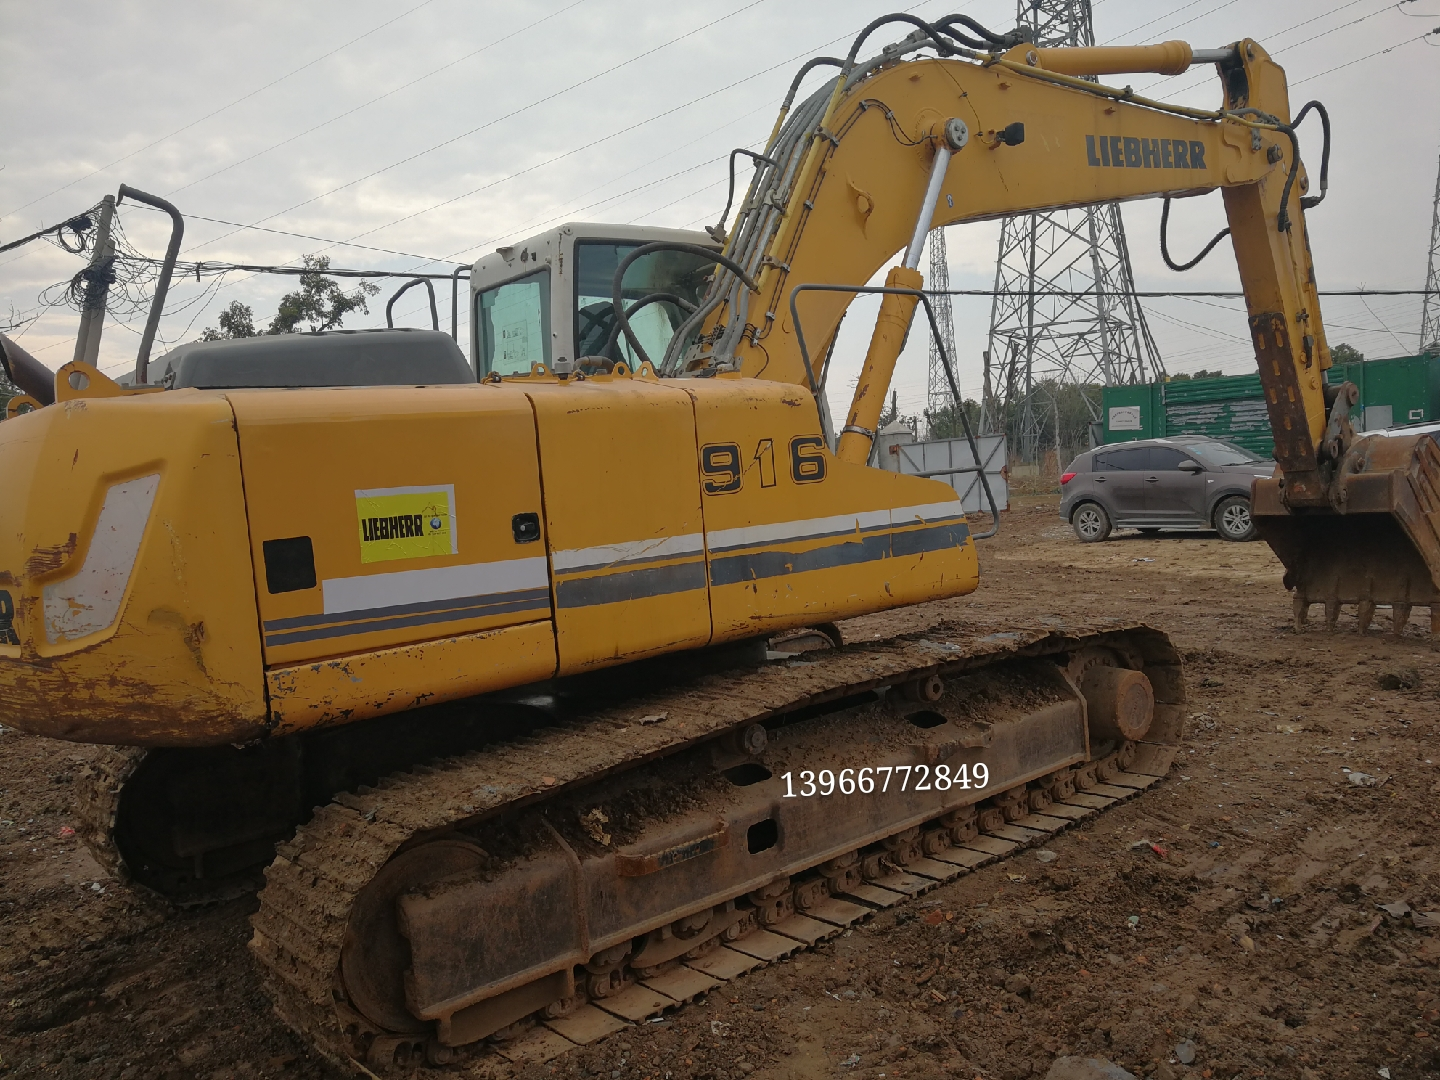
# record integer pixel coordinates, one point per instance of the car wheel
(1232, 519)
(1090, 522)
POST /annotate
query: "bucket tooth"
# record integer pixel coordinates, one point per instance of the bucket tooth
(1332, 613)
(1401, 616)
(1364, 613)
(1302, 613)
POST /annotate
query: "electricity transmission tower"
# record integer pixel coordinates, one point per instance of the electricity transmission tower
(937, 389)
(1095, 332)
(1430, 311)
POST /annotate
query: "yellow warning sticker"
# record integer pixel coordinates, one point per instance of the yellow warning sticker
(406, 523)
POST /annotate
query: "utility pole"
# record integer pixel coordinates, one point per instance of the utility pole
(1430, 311)
(937, 388)
(97, 287)
(1096, 332)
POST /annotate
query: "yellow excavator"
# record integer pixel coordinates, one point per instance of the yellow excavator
(548, 643)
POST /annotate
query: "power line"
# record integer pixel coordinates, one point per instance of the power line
(1281, 33)
(210, 269)
(223, 108)
(381, 97)
(1368, 56)
(587, 81)
(629, 128)
(1176, 26)
(307, 236)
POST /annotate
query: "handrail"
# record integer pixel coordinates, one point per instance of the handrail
(162, 285)
(944, 360)
(455, 301)
(434, 311)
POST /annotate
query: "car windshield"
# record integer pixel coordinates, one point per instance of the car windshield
(1223, 453)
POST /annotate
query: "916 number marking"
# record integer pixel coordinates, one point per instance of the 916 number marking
(849, 781)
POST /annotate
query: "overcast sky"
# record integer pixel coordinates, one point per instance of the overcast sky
(440, 129)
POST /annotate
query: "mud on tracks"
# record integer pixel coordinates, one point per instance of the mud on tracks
(1324, 990)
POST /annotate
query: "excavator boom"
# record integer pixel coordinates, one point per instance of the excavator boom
(872, 161)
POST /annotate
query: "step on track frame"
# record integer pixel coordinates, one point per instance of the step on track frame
(316, 893)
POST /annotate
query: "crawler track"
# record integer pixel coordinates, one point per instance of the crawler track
(314, 899)
(97, 803)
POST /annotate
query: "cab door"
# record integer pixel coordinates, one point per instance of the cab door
(1120, 482)
(1174, 488)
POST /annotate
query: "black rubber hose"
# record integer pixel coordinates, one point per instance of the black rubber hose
(1282, 219)
(1165, 248)
(617, 285)
(760, 159)
(989, 35)
(941, 46)
(1315, 200)
(653, 298)
(805, 69)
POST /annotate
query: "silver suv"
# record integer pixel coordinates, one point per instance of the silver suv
(1184, 482)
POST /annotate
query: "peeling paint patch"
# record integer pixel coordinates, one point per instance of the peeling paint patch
(44, 560)
(89, 600)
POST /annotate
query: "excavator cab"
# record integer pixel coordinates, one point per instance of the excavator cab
(548, 300)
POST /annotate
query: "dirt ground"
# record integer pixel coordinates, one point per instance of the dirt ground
(1224, 924)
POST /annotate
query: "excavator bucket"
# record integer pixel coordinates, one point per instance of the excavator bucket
(1376, 544)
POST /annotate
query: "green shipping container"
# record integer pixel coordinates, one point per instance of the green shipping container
(1230, 408)
(1404, 390)
(1132, 412)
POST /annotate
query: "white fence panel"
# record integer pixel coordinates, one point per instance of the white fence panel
(937, 457)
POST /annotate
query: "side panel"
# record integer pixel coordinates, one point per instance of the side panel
(383, 681)
(622, 508)
(796, 536)
(381, 518)
(127, 602)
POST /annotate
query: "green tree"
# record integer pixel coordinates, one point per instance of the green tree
(1345, 354)
(945, 421)
(319, 304)
(1201, 374)
(236, 321)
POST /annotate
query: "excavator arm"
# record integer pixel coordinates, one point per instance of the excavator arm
(887, 151)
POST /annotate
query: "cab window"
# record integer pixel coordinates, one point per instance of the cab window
(1134, 460)
(675, 274)
(514, 322)
(1167, 458)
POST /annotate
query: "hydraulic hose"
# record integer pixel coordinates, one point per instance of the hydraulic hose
(1180, 268)
(653, 298)
(617, 284)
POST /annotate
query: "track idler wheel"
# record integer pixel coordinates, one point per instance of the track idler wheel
(376, 955)
(1120, 703)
